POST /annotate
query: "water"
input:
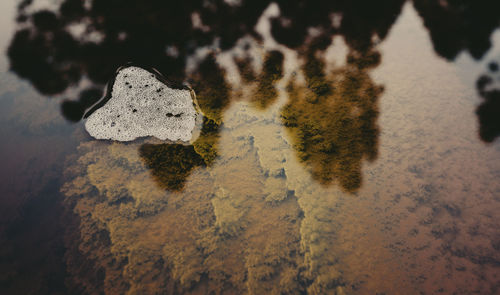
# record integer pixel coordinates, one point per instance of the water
(347, 149)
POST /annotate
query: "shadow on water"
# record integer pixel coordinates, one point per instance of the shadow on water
(171, 164)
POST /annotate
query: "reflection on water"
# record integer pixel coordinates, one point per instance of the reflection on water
(194, 242)
(317, 170)
(272, 71)
(459, 25)
(61, 46)
(489, 111)
(333, 120)
(170, 163)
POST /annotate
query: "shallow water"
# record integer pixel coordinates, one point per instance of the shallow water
(353, 152)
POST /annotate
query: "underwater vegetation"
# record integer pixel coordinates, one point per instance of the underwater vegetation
(233, 213)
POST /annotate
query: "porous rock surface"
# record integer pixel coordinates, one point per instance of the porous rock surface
(140, 105)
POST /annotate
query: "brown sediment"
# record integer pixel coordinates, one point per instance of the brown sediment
(145, 239)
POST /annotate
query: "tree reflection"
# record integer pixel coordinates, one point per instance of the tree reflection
(55, 50)
(170, 163)
(222, 233)
(80, 39)
(466, 25)
(333, 119)
(489, 111)
(272, 72)
(358, 21)
(460, 25)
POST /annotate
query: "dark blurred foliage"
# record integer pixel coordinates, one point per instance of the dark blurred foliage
(45, 53)
(489, 111)
(359, 21)
(170, 164)
(212, 90)
(272, 72)
(467, 25)
(460, 25)
(163, 34)
(73, 110)
(333, 120)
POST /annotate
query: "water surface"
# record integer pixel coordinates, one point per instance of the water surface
(347, 148)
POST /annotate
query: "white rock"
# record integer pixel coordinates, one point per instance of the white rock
(140, 106)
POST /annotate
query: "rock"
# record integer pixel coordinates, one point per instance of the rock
(141, 103)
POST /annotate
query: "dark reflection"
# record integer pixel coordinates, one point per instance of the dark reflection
(170, 164)
(212, 90)
(467, 25)
(157, 33)
(56, 50)
(489, 111)
(460, 25)
(272, 72)
(358, 21)
(245, 68)
(333, 119)
(74, 110)
(49, 53)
